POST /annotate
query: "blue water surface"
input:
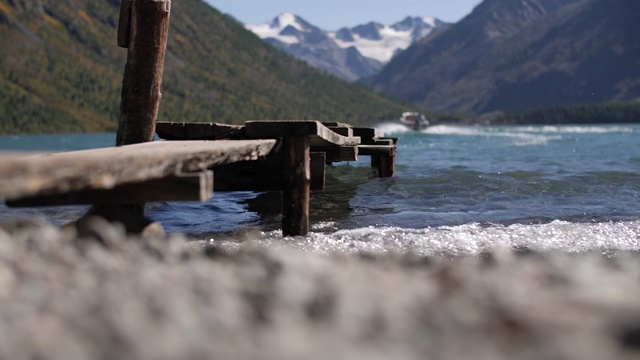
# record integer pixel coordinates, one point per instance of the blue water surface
(446, 176)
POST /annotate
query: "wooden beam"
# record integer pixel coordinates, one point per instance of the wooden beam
(48, 174)
(337, 153)
(183, 187)
(344, 131)
(335, 124)
(319, 134)
(371, 150)
(264, 175)
(297, 183)
(199, 131)
(367, 135)
(143, 72)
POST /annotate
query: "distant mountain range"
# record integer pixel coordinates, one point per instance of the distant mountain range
(349, 53)
(512, 55)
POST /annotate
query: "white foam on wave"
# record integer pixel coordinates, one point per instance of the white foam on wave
(578, 129)
(392, 128)
(518, 136)
(468, 240)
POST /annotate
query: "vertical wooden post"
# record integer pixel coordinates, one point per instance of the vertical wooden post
(297, 186)
(148, 29)
(384, 164)
(387, 166)
(375, 161)
(143, 28)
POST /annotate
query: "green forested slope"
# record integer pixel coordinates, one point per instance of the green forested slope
(61, 71)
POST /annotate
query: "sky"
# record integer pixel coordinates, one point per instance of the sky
(335, 14)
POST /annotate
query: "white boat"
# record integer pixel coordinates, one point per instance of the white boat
(414, 121)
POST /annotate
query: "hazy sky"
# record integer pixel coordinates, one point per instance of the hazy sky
(334, 14)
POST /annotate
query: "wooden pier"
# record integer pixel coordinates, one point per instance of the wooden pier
(199, 158)
(195, 159)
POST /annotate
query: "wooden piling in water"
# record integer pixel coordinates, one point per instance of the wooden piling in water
(143, 29)
(147, 30)
(297, 185)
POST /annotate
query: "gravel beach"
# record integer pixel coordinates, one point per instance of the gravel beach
(98, 294)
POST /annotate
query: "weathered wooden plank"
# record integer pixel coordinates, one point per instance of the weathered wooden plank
(335, 124)
(182, 187)
(143, 72)
(318, 133)
(377, 150)
(56, 173)
(297, 183)
(383, 141)
(199, 131)
(367, 135)
(344, 131)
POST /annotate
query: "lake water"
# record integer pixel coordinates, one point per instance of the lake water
(457, 191)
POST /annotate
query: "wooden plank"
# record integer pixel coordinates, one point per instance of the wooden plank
(371, 150)
(344, 131)
(297, 183)
(199, 131)
(183, 187)
(335, 124)
(383, 141)
(318, 133)
(367, 134)
(143, 72)
(31, 175)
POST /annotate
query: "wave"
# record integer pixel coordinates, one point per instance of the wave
(579, 129)
(464, 240)
(392, 128)
(519, 136)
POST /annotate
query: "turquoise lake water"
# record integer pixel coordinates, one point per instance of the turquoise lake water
(458, 190)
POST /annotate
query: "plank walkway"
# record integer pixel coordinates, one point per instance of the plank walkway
(40, 175)
(196, 160)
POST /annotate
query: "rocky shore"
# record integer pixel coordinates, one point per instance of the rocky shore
(95, 293)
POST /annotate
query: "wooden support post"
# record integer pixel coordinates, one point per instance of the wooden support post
(387, 166)
(143, 29)
(318, 170)
(147, 43)
(297, 184)
(375, 161)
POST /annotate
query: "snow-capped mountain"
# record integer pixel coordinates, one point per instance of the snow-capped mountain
(349, 53)
(382, 42)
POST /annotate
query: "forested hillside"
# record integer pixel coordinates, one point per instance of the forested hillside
(61, 71)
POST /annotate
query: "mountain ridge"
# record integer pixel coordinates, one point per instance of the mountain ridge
(349, 53)
(518, 55)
